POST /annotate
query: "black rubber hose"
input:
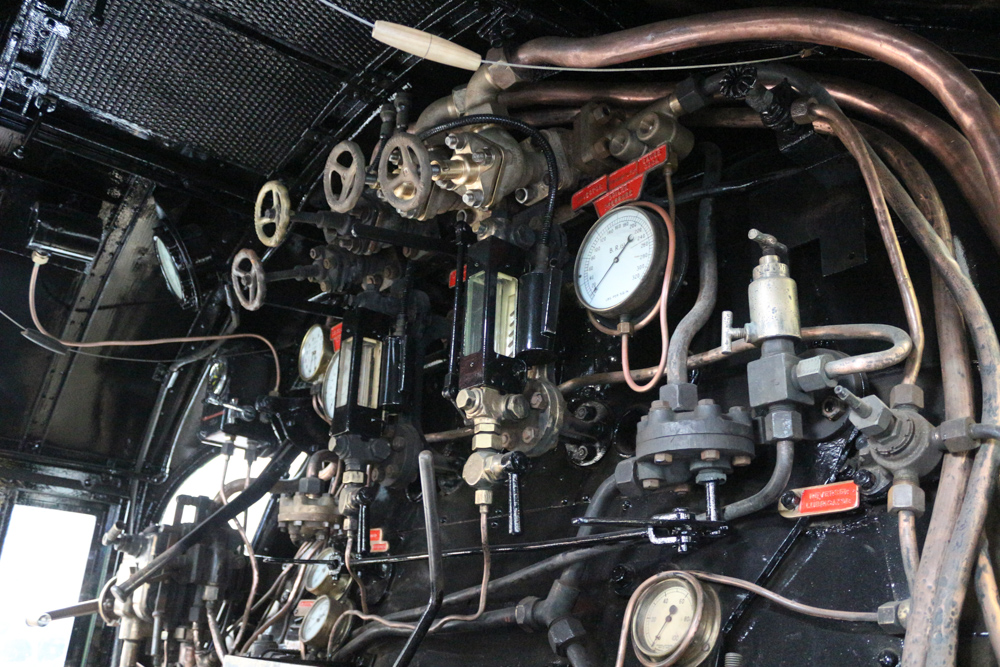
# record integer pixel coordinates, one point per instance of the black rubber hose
(435, 564)
(708, 288)
(490, 620)
(551, 166)
(267, 479)
(598, 503)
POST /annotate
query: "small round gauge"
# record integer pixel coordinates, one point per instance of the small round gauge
(320, 619)
(676, 622)
(619, 268)
(328, 391)
(321, 581)
(218, 377)
(314, 353)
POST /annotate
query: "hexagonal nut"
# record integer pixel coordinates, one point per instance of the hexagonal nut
(502, 75)
(782, 425)
(311, 485)
(515, 406)
(892, 616)
(954, 435)
(907, 496)
(681, 397)
(907, 395)
(689, 96)
(487, 441)
(466, 399)
(771, 380)
(878, 422)
(479, 467)
(564, 632)
(524, 613)
(625, 479)
(810, 374)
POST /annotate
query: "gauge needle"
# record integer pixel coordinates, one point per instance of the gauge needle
(613, 262)
(670, 617)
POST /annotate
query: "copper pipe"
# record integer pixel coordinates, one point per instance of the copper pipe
(742, 118)
(959, 555)
(569, 93)
(854, 143)
(862, 363)
(961, 93)
(956, 376)
(987, 593)
(942, 140)
(908, 546)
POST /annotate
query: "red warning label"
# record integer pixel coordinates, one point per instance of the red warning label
(336, 333)
(828, 498)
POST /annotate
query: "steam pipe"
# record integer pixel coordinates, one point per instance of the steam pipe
(771, 491)
(697, 317)
(961, 93)
(435, 565)
(85, 608)
(568, 93)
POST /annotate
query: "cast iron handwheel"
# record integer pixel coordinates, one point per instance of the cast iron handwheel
(278, 214)
(408, 185)
(249, 282)
(352, 176)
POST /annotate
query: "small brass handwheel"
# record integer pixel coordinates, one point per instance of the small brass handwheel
(404, 173)
(346, 164)
(248, 279)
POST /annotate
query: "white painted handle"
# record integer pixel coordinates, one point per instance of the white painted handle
(425, 45)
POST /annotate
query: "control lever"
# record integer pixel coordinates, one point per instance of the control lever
(678, 528)
(515, 464)
(363, 497)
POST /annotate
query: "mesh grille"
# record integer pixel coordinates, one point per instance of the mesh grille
(191, 83)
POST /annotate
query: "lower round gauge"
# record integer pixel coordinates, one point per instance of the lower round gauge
(320, 619)
(320, 580)
(675, 622)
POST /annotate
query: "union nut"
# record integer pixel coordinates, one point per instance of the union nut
(906, 396)
(906, 496)
(565, 631)
(810, 374)
(953, 435)
(782, 425)
(892, 616)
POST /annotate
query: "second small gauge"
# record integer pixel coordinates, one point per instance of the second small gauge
(619, 268)
(314, 353)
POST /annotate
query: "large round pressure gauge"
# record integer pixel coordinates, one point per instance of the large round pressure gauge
(619, 269)
(328, 390)
(314, 353)
(676, 622)
(320, 619)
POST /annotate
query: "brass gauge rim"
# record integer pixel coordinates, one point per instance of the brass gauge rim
(324, 360)
(702, 634)
(647, 288)
(333, 363)
(333, 587)
(335, 609)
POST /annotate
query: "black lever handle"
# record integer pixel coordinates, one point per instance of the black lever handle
(364, 497)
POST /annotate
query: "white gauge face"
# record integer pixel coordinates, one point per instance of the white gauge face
(317, 575)
(329, 389)
(664, 618)
(315, 619)
(170, 271)
(313, 352)
(617, 258)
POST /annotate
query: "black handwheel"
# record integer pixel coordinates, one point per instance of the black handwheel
(345, 163)
(404, 173)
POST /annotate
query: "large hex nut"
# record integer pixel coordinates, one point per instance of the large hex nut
(892, 616)
(564, 632)
(878, 422)
(810, 374)
(689, 96)
(681, 397)
(771, 380)
(625, 479)
(782, 425)
(907, 496)
(954, 435)
(907, 395)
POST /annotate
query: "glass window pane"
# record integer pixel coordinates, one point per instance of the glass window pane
(42, 566)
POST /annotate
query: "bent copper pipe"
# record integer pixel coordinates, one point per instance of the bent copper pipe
(855, 144)
(548, 117)
(874, 361)
(942, 140)
(956, 379)
(961, 93)
(569, 93)
(960, 552)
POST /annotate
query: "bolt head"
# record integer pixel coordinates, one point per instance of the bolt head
(790, 499)
(682, 489)
(538, 401)
(888, 658)
(529, 434)
(740, 461)
(663, 458)
(710, 455)
(651, 484)
(865, 479)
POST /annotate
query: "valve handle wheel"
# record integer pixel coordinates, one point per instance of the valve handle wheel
(408, 185)
(248, 279)
(346, 162)
(278, 214)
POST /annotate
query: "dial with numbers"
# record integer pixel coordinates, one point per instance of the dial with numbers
(314, 353)
(676, 622)
(328, 390)
(619, 268)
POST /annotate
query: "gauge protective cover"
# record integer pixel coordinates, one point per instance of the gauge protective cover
(700, 636)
